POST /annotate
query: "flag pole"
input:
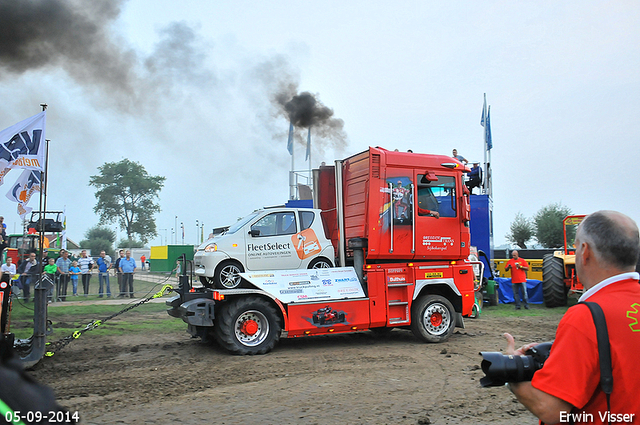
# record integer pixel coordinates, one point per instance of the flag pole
(309, 182)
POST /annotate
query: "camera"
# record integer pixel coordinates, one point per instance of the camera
(500, 369)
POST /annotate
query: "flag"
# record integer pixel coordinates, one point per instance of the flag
(22, 145)
(63, 244)
(486, 123)
(308, 145)
(27, 184)
(290, 140)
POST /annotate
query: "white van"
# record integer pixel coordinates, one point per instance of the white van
(267, 239)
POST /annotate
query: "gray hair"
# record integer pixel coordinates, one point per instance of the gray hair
(613, 236)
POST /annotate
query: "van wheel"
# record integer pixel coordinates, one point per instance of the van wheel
(227, 275)
(320, 263)
(432, 318)
(248, 325)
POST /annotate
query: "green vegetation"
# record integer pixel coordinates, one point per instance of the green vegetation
(77, 312)
(99, 238)
(520, 231)
(127, 194)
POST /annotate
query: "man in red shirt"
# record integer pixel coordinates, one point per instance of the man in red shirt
(518, 267)
(567, 389)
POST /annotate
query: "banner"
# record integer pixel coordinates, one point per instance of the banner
(22, 145)
(27, 184)
(308, 285)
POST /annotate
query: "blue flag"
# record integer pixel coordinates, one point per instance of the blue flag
(485, 121)
(290, 140)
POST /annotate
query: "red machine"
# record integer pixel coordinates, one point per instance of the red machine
(400, 220)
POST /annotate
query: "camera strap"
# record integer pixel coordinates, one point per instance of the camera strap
(604, 349)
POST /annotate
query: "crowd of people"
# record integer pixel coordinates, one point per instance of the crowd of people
(65, 270)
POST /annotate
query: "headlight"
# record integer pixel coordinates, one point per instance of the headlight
(212, 247)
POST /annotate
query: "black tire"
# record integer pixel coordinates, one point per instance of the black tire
(553, 288)
(248, 325)
(227, 275)
(432, 318)
(320, 263)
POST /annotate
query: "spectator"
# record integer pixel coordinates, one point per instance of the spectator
(475, 177)
(8, 270)
(74, 271)
(127, 268)
(607, 248)
(28, 273)
(104, 265)
(143, 259)
(86, 264)
(518, 267)
(50, 270)
(63, 263)
(459, 157)
(116, 266)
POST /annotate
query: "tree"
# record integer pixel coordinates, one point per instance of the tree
(549, 229)
(99, 238)
(130, 243)
(126, 193)
(521, 230)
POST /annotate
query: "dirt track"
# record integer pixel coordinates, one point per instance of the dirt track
(339, 379)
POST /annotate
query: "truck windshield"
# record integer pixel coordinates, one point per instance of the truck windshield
(240, 223)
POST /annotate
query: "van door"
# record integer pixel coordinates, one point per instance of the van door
(270, 242)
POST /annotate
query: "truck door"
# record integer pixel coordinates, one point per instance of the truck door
(270, 242)
(437, 217)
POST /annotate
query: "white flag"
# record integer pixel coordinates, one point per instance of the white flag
(27, 184)
(22, 145)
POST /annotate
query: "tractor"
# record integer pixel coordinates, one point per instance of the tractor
(559, 277)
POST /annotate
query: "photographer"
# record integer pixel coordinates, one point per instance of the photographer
(567, 389)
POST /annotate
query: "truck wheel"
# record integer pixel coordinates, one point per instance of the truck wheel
(227, 275)
(553, 288)
(248, 325)
(432, 318)
(320, 263)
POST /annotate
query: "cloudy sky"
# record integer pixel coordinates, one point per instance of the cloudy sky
(189, 90)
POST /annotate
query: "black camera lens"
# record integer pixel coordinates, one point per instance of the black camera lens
(500, 369)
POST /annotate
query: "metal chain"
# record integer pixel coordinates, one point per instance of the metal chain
(56, 346)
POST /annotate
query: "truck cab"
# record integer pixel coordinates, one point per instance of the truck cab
(267, 239)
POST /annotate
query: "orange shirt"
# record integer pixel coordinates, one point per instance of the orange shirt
(518, 275)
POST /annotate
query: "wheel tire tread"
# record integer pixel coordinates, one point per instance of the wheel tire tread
(553, 287)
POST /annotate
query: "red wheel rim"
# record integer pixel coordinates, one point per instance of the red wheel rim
(436, 319)
(249, 327)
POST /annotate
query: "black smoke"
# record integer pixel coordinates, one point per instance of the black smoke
(78, 36)
(305, 110)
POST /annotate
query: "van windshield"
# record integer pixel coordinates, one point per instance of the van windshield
(240, 223)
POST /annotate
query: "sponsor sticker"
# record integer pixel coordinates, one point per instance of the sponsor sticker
(431, 275)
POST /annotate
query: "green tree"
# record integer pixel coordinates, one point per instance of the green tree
(549, 229)
(126, 194)
(130, 243)
(520, 231)
(99, 238)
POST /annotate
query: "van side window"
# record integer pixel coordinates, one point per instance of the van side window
(276, 224)
(306, 219)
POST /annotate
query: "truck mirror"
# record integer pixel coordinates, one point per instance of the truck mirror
(429, 176)
(254, 232)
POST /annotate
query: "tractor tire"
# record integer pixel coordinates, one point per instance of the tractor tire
(554, 291)
(227, 275)
(432, 318)
(248, 326)
(494, 298)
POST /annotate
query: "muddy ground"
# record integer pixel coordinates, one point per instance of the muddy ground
(339, 379)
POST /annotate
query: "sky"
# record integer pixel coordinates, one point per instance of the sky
(190, 90)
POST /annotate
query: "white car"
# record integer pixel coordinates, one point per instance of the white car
(267, 239)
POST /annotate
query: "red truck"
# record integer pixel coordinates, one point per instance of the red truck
(400, 225)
